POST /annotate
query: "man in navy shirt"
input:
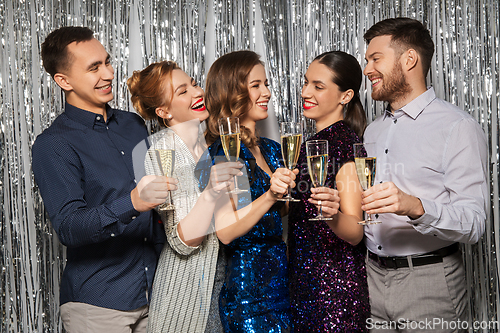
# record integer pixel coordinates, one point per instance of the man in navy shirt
(83, 167)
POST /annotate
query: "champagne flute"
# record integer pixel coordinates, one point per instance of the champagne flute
(165, 157)
(366, 169)
(229, 129)
(291, 139)
(317, 164)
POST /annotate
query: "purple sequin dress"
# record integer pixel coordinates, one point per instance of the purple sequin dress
(329, 292)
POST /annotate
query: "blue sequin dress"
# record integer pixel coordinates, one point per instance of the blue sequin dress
(328, 287)
(255, 295)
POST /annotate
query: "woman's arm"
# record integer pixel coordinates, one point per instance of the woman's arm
(231, 223)
(346, 218)
(193, 228)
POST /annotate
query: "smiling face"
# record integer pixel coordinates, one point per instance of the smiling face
(88, 81)
(259, 95)
(322, 97)
(187, 102)
(385, 71)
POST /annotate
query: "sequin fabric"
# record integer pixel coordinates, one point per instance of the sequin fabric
(328, 287)
(255, 295)
(186, 279)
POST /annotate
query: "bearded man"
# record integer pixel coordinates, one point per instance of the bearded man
(431, 191)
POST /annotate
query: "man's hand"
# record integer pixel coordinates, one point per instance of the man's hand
(327, 198)
(151, 191)
(388, 198)
(281, 180)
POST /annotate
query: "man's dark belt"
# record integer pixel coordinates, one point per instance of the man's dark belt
(417, 260)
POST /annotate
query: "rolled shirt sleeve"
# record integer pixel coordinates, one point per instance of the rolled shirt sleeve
(173, 237)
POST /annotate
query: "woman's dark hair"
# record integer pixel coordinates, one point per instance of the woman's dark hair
(347, 74)
(226, 92)
(152, 88)
(54, 51)
(405, 33)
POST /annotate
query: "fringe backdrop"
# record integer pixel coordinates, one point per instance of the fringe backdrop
(465, 72)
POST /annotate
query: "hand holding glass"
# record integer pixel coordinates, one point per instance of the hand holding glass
(366, 169)
(229, 129)
(165, 157)
(317, 164)
(291, 139)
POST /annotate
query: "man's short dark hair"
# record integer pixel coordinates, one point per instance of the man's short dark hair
(405, 33)
(55, 55)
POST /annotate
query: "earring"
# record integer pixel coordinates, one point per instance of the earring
(342, 102)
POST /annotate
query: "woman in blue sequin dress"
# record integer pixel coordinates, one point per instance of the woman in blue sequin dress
(255, 294)
(328, 287)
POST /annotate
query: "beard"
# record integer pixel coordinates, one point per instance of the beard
(394, 86)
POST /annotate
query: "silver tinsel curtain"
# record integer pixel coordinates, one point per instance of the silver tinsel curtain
(465, 72)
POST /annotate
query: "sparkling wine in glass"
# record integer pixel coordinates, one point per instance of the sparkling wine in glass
(366, 169)
(165, 156)
(317, 164)
(291, 139)
(229, 129)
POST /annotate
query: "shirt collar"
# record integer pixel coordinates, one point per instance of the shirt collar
(88, 118)
(415, 107)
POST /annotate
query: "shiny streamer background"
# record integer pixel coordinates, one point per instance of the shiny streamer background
(465, 71)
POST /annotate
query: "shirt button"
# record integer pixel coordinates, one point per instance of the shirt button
(98, 118)
(379, 247)
(145, 239)
(133, 217)
(395, 121)
(135, 181)
(386, 151)
(112, 235)
(123, 153)
(146, 269)
(376, 216)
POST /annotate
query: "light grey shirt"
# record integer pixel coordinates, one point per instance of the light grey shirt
(438, 153)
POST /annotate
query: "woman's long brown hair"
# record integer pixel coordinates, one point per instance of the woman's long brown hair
(226, 92)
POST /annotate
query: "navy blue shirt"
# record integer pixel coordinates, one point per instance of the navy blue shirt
(83, 167)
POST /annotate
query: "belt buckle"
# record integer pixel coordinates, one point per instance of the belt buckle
(390, 262)
(386, 262)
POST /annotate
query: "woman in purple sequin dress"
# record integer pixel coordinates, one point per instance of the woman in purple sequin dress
(329, 292)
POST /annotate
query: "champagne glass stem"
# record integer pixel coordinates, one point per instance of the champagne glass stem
(170, 200)
(288, 196)
(236, 188)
